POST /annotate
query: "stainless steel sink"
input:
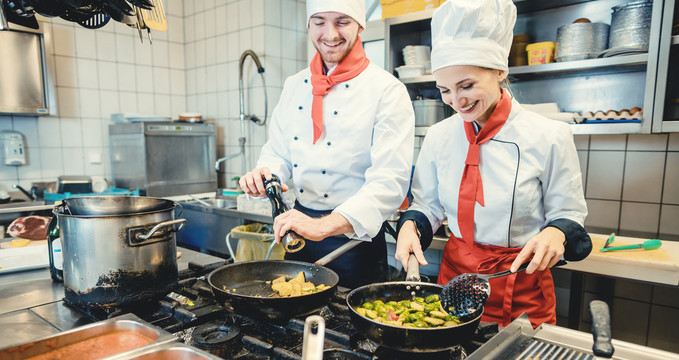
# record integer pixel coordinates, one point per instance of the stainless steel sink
(13, 210)
(24, 206)
(222, 202)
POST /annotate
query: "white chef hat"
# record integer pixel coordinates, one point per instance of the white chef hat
(472, 32)
(353, 8)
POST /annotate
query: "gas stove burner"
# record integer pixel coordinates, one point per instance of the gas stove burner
(210, 336)
(343, 354)
(218, 339)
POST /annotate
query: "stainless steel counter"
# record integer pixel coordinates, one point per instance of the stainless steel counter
(31, 306)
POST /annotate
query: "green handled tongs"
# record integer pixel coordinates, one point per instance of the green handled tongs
(646, 245)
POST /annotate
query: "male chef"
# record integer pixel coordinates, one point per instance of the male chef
(343, 131)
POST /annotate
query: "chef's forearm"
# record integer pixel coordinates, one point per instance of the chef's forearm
(578, 243)
(334, 224)
(423, 226)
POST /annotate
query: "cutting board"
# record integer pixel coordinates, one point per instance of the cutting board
(657, 266)
(33, 256)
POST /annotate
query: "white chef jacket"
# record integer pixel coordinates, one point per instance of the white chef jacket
(361, 165)
(530, 173)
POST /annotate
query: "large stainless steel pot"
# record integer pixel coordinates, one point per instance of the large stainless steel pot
(118, 250)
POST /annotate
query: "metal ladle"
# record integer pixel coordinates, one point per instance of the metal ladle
(465, 295)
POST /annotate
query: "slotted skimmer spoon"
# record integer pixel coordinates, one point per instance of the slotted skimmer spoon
(465, 295)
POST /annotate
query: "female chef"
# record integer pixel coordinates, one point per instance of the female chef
(507, 179)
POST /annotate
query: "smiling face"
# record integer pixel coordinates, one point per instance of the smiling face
(471, 90)
(333, 35)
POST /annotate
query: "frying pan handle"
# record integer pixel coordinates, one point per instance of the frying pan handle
(601, 329)
(413, 273)
(338, 252)
(314, 335)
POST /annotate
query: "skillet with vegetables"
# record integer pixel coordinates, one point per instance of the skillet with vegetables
(419, 312)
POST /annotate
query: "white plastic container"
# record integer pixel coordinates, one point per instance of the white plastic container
(409, 71)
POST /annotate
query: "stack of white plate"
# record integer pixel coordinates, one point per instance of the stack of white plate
(417, 55)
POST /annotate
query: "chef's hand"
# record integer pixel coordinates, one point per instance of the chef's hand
(408, 242)
(252, 183)
(314, 229)
(546, 248)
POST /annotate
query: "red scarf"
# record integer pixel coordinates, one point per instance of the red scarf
(471, 186)
(352, 65)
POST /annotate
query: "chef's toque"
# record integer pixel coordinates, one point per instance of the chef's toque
(472, 32)
(353, 8)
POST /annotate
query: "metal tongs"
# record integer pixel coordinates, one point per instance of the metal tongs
(646, 245)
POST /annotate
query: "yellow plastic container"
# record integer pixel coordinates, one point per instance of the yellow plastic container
(391, 8)
(541, 53)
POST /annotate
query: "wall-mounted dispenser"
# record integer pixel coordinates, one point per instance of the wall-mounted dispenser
(12, 145)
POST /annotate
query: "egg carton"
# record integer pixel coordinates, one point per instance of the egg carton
(625, 114)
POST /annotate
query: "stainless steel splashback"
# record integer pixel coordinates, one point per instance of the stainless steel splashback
(162, 158)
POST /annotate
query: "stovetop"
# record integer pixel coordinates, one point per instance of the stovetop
(193, 315)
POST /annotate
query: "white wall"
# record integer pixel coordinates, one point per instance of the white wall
(192, 67)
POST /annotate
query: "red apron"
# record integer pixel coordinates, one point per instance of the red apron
(510, 296)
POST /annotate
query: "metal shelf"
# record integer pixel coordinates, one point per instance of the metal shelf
(580, 129)
(528, 6)
(615, 64)
(429, 78)
(601, 129)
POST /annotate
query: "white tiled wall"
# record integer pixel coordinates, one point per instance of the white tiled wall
(98, 72)
(217, 33)
(191, 67)
(631, 183)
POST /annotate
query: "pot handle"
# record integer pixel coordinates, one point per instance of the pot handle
(161, 225)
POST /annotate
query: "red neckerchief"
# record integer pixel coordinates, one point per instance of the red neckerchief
(471, 186)
(352, 65)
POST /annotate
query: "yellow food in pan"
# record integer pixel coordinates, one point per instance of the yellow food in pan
(295, 287)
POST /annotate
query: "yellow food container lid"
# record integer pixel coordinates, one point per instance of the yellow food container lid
(541, 45)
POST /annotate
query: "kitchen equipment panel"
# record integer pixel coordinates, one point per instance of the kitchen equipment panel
(164, 158)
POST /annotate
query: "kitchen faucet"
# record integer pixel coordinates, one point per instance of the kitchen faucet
(243, 116)
(33, 195)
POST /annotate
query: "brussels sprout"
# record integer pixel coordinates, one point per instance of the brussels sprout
(371, 314)
(380, 308)
(361, 311)
(420, 324)
(449, 318)
(430, 307)
(433, 321)
(404, 303)
(368, 305)
(407, 317)
(419, 315)
(392, 303)
(419, 299)
(416, 306)
(378, 302)
(431, 298)
(437, 314)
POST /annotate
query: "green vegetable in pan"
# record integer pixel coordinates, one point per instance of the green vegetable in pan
(419, 313)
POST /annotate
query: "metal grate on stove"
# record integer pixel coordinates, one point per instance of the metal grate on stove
(545, 351)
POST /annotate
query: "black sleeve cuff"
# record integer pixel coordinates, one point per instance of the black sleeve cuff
(578, 243)
(423, 226)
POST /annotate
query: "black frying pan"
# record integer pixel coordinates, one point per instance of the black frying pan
(403, 338)
(252, 295)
